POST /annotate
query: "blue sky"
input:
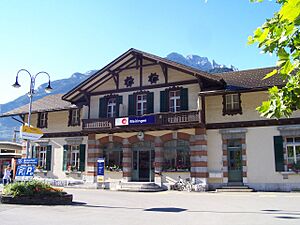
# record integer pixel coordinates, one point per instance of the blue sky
(67, 36)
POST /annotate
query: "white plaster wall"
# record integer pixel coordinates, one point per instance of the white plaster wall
(57, 161)
(261, 159)
(214, 151)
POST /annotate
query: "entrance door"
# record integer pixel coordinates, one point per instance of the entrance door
(235, 165)
(142, 162)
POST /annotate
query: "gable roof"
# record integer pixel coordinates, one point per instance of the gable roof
(77, 92)
(245, 80)
(46, 104)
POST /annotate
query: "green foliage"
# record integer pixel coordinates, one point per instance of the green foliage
(30, 188)
(280, 35)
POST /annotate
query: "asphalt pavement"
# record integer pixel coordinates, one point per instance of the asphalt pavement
(101, 207)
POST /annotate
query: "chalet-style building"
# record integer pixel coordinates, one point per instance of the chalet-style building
(154, 120)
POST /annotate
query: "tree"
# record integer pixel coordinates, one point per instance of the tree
(280, 35)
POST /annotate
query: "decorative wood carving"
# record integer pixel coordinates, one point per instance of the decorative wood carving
(129, 81)
(153, 78)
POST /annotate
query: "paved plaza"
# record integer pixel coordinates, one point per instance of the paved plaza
(171, 208)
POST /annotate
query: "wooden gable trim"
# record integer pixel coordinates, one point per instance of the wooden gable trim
(153, 86)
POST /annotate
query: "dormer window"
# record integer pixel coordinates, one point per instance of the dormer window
(232, 104)
(111, 107)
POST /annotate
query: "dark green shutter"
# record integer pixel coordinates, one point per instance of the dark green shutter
(184, 99)
(119, 101)
(82, 157)
(164, 101)
(33, 152)
(48, 157)
(38, 124)
(131, 105)
(150, 102)
(65, 157)
(46, 123)
(103, 108)
(70, 118)
(278, 152)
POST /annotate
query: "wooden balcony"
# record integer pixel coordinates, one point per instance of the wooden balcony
(159, 121)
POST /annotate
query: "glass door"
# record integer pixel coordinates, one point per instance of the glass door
(235, 165)
(142, 162)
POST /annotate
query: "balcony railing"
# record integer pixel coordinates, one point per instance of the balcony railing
(152, 121)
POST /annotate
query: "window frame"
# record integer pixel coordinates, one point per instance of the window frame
(141, 102)
(74, 150)
(111, 108)
(42, 161)
(232, 110)
(42, 120)
(173, 106)
(112, 148)
(296, 159)
(74, 113)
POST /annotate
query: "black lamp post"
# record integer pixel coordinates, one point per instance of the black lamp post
(48, 89)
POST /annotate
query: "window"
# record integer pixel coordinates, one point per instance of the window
(74, 117)
(141, 104)
(176, 156)
(111, 107)
(174, 101)
(75, 161)
(74, 157)
(43, 154)
(293, 152)
(232, 104)
(113, 155)
(42, 120)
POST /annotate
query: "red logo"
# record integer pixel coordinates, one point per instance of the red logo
(124, 121)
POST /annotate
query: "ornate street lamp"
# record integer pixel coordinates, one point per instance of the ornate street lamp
(48, 89)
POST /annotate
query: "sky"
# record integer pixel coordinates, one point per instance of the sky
(62, 37)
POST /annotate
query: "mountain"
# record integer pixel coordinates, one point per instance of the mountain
(7, 125)
(59, 87)
(201, 63)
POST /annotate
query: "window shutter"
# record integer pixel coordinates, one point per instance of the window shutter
(38, 124)
(278, 152)
(150, 102)
(164, 101)
(82, 157)
(70, 118)
(103, 108)
(48, 157)
(131, 105)
(184, 101)
(119, 101)
(46, 123)
(33, 152)
(65, 157)
(79, 116)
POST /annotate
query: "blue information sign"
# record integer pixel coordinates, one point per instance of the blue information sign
(100, 170)
(27, 161)
(24, 173)
(141, 120)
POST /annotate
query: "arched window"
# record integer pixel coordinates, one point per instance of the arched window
(176, 156)
(113, 155)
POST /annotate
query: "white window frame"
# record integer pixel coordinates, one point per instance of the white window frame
(294, 144)
(75, 157)
(231, 103)
(42, 156)
(141, 99)
(173, 97)
(43, 119)
(112, 107)
(75, 117)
